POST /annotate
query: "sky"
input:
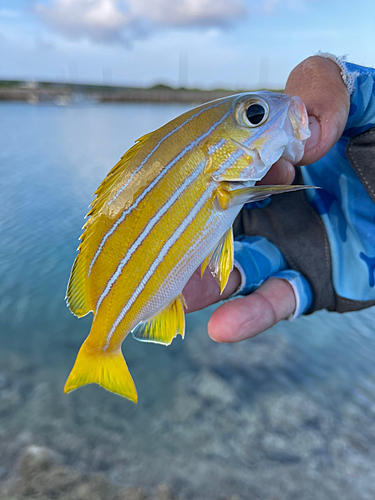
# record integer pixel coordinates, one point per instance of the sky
(235, 44)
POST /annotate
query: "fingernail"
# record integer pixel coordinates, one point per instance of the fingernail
(314, 127)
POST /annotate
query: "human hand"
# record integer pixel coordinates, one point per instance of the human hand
(318, 82)
(244, 317)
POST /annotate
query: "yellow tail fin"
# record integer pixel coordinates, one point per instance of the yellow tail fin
(106, 369)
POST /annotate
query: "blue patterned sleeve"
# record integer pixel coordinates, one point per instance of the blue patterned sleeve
(257, 259)
(361, 86)
(360, 82)
(344, 203)
(330, 241)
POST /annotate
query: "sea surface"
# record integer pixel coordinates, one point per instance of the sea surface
(287, 415)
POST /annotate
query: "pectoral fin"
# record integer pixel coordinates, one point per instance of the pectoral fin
(220, 260)
(232, 194)
(164, 327)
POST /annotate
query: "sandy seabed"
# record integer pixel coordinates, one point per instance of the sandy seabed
(287, 415)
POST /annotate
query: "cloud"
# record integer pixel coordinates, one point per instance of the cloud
(208, 13)
(270, 6)
(112, 21)
(99, 20)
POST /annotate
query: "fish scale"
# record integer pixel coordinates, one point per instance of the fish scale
(164, 209)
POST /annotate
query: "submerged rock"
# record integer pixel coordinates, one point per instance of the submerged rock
(278, 449)
(131, 494)
(42, 476)
(186, 407)
(16, 363)
(9, 400)
(37, 459)
(212, 387)
(165, 492)
(4, 381)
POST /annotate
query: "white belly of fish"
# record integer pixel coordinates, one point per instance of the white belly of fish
(206, 240)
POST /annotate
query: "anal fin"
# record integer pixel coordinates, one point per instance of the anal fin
(164, 327)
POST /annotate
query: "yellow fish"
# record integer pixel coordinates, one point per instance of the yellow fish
(165, 208)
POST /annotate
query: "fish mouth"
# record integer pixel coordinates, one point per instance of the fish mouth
(299, 119)
(296, 127)
(287, 141)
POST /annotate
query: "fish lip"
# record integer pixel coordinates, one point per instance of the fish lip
(299, 119)
(296, 126)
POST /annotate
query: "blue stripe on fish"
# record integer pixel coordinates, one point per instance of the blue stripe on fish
(216, 146)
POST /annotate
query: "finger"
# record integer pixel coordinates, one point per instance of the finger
(318, 82)
(200, 293)
(282, 172)
(243, 318)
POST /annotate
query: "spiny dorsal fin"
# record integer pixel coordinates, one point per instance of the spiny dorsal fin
(164, 327)
(113, 177)
(76, 295)
(220, 260)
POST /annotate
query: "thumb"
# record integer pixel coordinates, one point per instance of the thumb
(318, 82)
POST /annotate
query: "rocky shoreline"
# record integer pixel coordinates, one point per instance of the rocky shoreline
(63, 96)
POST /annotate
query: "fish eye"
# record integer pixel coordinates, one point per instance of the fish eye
(255, 114)
(251, 111)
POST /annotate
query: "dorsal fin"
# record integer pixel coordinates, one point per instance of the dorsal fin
(76, 295)
(113, 177)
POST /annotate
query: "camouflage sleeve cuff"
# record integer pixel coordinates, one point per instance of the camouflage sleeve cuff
(360, 82)
(347, 76)
(301, 288)
(257, 259)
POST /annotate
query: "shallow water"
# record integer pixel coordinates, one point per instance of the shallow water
(287, 415)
